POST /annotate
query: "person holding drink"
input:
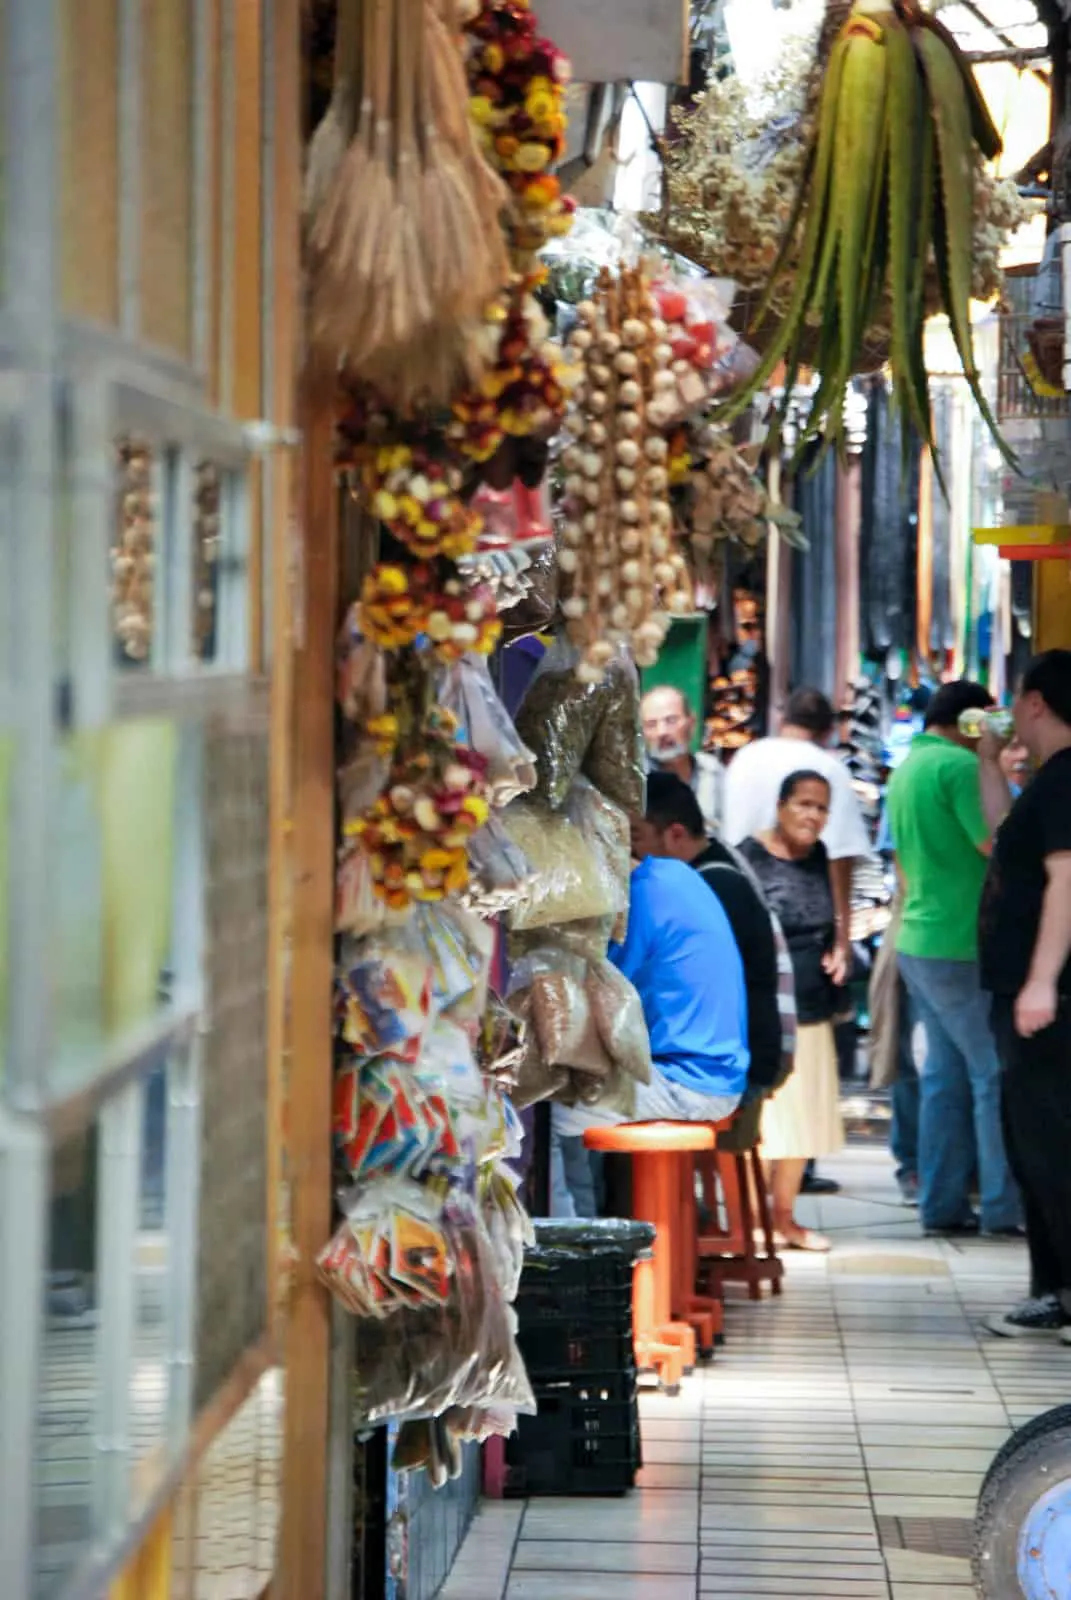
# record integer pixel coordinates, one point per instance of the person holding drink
(942, 840)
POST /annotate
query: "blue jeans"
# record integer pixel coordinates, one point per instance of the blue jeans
(572, 1176)
(905, 1093)
(959, 1113)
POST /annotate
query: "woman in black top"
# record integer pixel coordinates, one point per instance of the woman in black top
(803, 1120)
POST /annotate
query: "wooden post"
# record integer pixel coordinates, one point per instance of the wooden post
(283, 186)
(308, 1335)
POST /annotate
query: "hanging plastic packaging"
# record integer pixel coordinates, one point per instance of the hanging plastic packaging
(468, 692)
(580, 856)
(561, 718)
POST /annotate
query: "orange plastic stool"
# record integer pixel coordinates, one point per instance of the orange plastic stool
(728, 1253)
(663, 1294)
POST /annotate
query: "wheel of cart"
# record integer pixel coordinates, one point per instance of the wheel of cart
(1022, 1530)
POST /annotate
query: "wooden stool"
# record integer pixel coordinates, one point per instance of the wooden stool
(728, 1254)
(663, 1340)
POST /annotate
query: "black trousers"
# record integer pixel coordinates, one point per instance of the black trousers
(1036, 1109)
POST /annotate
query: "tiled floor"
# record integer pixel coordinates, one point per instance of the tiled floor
(836, 1444)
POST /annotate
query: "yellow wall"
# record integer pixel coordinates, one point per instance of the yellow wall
(148, 1576)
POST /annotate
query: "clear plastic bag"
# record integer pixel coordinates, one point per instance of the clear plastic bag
(579, 856)
(431, 1353)
(618, 1014)
(360, 676)
(383, 993)
(534, 611)
(500, 873)
(589, 729)
(468, 692)
(398, 1120)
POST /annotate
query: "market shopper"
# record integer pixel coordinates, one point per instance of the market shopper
(753, 788)
(681, 956)
(1025, 945)
(673, 828)
(942, 842)
(802, 1121)
(669, 724)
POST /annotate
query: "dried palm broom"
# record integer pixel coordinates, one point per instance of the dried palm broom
(350, 233)
(338, 125)
(407, 250)
(411, 308)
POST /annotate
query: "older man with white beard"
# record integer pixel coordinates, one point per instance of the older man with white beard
(669, 725)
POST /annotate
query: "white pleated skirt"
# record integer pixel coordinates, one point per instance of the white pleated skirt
(803, 1122)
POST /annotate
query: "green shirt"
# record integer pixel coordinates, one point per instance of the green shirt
(937, 825)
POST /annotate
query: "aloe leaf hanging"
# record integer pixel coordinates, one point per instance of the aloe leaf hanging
(885, 210)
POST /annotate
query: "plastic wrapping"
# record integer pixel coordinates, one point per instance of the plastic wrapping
(500, 873)
(500, 1043)
(397, 1120)
(617, 1012)
(534, 611)
(383, 993)
(468, 692)
(580, 857)
(509, 1227)
(588, 1235)
(584, 728)
(361, 781)
(434, 1328)
(360, 674)
(459, 947)
(358, 909)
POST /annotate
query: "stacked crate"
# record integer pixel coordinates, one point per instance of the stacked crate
(575, 1315)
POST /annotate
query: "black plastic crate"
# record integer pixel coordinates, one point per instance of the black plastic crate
(580, 1346)
(584, 1440)
(590, 1288)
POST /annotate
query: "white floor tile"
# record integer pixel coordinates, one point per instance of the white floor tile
(867, 1390)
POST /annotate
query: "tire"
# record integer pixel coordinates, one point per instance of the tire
(1022, 1528)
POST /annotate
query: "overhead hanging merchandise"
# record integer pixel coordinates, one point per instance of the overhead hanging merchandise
(753, 176)
(443, 452)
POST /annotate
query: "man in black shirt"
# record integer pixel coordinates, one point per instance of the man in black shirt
(673, 826)
(1025, 956)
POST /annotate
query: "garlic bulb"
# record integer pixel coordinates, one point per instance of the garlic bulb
(619, 578)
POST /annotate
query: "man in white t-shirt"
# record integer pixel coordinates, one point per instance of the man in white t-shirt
(754, 782)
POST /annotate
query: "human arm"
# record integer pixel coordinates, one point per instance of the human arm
(993, 790)
(1035, 1008)
(838, 961)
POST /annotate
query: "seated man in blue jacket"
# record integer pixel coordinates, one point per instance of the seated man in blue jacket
(681, 957)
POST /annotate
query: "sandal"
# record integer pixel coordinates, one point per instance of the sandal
(806, 1239)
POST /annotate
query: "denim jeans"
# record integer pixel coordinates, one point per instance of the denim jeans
(905, 1093)
(959, 1113)
(572, 1176)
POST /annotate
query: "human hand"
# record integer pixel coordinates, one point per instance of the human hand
(990, 745)
(1035, 1009)
(837, 964)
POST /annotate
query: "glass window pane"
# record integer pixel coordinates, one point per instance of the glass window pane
(150, 1380)
(134, 554)
(68, 1464)
(115, 868)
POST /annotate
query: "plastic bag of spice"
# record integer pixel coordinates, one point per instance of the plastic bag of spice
(618, 1015)
(579, 857)
(584, 728)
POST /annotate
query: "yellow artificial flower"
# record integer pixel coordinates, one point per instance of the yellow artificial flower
(481, 109)
(532, 157)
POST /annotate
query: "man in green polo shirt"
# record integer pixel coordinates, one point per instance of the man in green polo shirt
(942, 847)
